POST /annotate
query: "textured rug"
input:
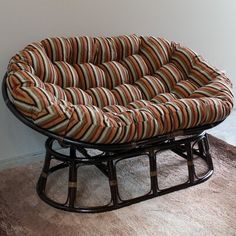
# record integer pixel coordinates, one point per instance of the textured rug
(205, 209)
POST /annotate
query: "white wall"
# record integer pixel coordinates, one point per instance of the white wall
(207, 26)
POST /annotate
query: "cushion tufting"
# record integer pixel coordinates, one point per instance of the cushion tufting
(105, 49)
(116, 89)
(115, 74)
(126, 45)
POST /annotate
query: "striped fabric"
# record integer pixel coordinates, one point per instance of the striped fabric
(139, 104)
(56, 91)
(84, 123)
(66, 74)
(116, 90)
(35, 56)
(115, 73)
(184, 88)
(202, 73)
(193, 112)
(57, 49)
(155, 51)
(89, 76)
(20, 79)
(216, 88)
(150, 86)
(32, 100)
(162, 114)
(102, 97)
(106, 50)
(183, 58)
(78, 96)
(126, 45)
(16, 64)
(136, 67)
(126, 93)
(115, 109)
(54, 117)
(193, 66)
(140, 129)
(82, 50)
(169, 75)
(164, 97)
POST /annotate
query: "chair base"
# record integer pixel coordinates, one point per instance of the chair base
(187, 147)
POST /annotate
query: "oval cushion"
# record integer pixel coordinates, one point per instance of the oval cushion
(117, 89)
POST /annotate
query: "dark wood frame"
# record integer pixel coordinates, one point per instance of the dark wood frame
(186, 143)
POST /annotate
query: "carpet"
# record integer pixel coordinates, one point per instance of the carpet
(206, 209)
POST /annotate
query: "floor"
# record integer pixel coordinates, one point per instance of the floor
(226, 130)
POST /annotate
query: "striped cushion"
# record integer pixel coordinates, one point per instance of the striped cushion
(16, 64)
(162, 115)
(84, 124)
(56, 90)
(66, 75)
(126, 93)
(215, 88)
(102, 97)
(150, 86)
(136, 67)
(202, 72)
(35, 56)
(78, 96)
(183, 58)
(155, 51)
(126, 45)
(116, 90)
(89, 76)
(169, 75)
(164, 97)
(115, 109)
(139, 128)
(32, 100)
(58, 49)
(193, 112)
(115, 73)
(184, 89)
(20, 79)
(83, 50)
(139, 104)
(106, 50)
(54, 117)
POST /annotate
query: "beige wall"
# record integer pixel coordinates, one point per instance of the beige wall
(207, 26)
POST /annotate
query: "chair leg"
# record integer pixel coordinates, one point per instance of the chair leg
(201, 147)
(113, 182)
(153, 172)
(72, 184)
(207, 151)
(191, 169)
(44, 174)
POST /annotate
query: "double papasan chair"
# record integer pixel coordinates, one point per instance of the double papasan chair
(125, 96)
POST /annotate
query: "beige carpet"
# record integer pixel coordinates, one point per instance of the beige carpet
(205, 209)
